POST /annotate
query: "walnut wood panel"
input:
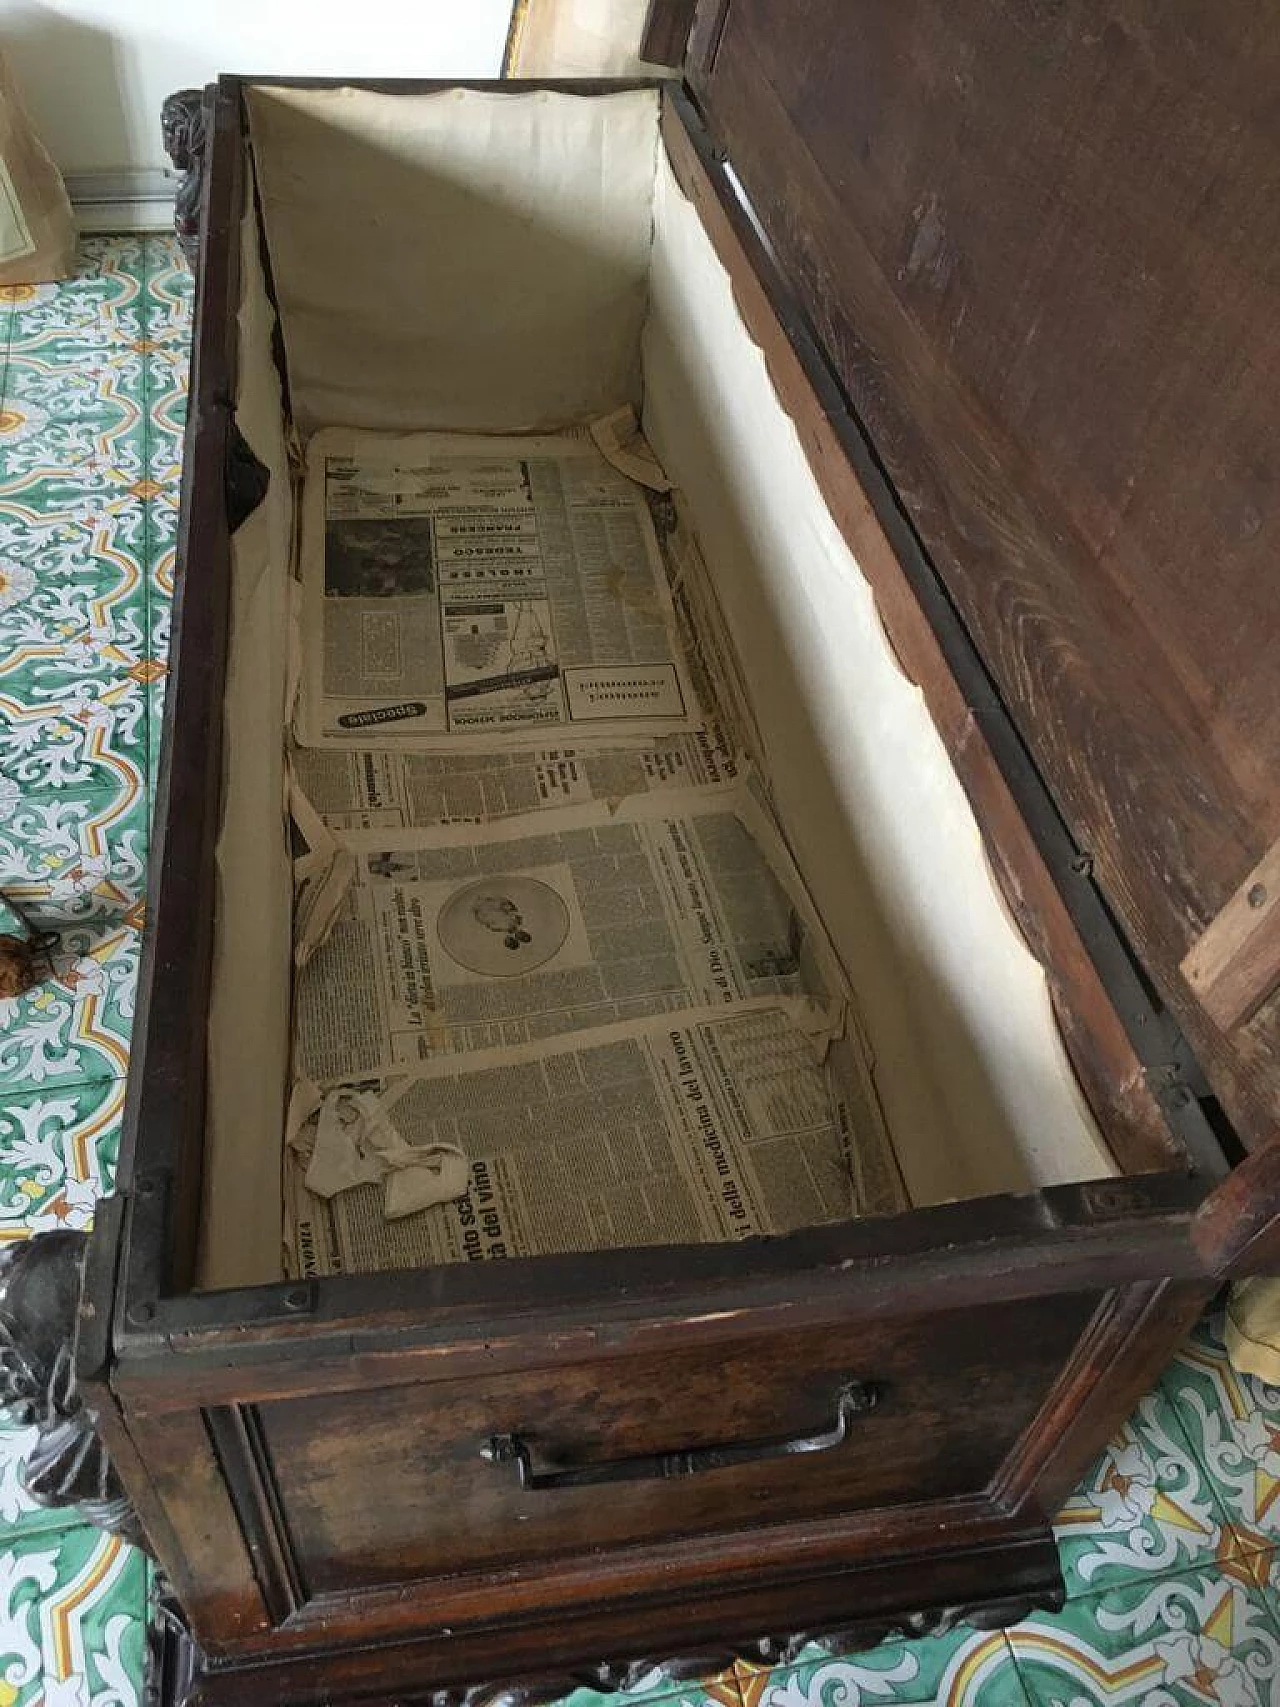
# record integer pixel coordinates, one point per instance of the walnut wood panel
(1040, 247)
(1128, 1344)
(466, 1319)
(666, 31)
(381, 1487)
(1237, 1229)
(202, 1547)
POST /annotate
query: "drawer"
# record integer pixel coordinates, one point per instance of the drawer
(402, 1483)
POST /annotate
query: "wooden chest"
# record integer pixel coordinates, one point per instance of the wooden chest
(956, 329)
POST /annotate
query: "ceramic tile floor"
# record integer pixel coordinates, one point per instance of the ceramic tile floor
(1169, 1545)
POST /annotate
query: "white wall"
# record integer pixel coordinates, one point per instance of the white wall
(94, 72)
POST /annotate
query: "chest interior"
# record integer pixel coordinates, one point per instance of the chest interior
(476, 262)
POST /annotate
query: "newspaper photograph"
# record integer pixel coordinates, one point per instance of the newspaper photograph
(378, 790)
(458, 940)
(498, 591)
(701, 1127)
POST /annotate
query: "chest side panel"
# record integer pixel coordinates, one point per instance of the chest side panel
(376, 1488)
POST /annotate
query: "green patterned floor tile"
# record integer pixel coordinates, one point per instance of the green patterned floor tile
(169, 352)
(101, 304)
(168, 314)
(1145, 1507)
(1233, 1423)
(73, 481)
(967, 1668)
(71, 529)
(74, 533)
(719, 1691)
(170, 285)
(76, 351)
(162, 542)
(63, 462)
(76, 383)
(170, 292)
(58, 1151)
(74, 665)
(1261, 1567)
(78, 475)
(106, 283)
(168, 426)
(77, 855)
(11, 297)
(155, 725)
(1178, 1641)
(72, 1630)
(75, 862)
(161, 566)
(86, 740)
(73, 712)
(160, 594)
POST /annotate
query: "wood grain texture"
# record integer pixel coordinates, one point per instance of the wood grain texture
(1126, 1347)
(666, 31)
(1236, 1231)
(468, 1319)
(201, 1547)
(1041, 250)
(1235, 965)
(957, 1390)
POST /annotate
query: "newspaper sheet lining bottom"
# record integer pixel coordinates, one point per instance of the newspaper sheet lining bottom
(549, 998)
(700, 1127)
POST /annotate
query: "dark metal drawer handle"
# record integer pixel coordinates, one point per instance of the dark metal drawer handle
(853, 1400)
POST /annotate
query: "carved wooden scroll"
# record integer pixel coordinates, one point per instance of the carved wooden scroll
(183, 128)
(39, 1302)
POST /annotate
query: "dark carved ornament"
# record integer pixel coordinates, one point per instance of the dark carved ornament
(652, 1676)
(173, 1659)
(39, 1303)
(183, 129)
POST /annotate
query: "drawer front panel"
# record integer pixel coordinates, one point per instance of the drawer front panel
(401, 1484)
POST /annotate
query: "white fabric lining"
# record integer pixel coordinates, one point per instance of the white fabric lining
(956, 1006)
(241, 1207)
(461, 260)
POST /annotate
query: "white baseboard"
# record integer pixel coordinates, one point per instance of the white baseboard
(124, 216)
(123, 201)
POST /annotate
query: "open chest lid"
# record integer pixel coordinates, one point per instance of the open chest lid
(1039, 247)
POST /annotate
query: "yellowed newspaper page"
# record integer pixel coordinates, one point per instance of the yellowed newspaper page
(460, 939)
(493, 592)
(717, 1125)
(372, 790)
